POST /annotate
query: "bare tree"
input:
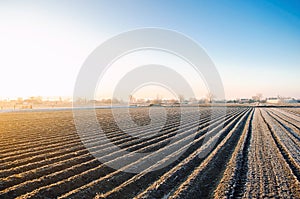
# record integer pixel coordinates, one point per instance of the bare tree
(259, 96)
(131, 99)
(210, 97)
(181, 98)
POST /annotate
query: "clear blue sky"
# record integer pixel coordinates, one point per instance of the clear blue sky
(254, 44)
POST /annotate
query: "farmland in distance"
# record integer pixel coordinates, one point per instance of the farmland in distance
(256, 154)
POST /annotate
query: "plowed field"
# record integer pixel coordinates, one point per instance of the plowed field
(256, 154)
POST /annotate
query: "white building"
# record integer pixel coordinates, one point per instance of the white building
(273, 100)
(276, 100)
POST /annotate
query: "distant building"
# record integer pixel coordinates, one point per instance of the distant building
(244, 101)
(278, 100)
(273, 100)
(290, 100)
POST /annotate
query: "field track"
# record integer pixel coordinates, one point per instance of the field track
(256, 154)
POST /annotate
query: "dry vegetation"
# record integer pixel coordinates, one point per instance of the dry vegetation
(256, 155)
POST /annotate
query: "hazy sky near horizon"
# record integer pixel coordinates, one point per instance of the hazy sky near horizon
(255, 45)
